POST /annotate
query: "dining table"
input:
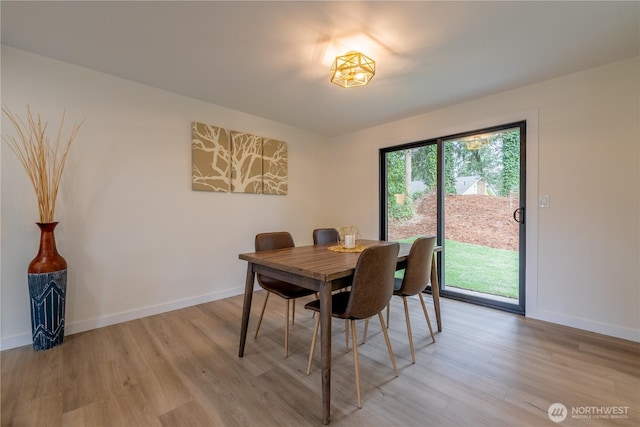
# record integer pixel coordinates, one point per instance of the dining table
(322, 269)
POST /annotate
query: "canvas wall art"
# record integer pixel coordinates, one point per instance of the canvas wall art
(246, 163)
(211, 163)
(274, 167)
(240, 162)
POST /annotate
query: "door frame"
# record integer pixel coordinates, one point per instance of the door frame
(519, 308)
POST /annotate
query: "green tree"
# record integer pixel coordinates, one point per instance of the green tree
(495, 159)
(510, 177)
(425, 165)
(396, 185)
(449, 171)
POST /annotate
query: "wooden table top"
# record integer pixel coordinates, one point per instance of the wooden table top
(316, 261)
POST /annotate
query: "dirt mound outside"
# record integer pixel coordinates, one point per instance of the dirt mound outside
(477, 219)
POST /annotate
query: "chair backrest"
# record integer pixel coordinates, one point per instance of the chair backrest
(268, 241)
(372, 285)
(274, 240)
(416, 275)
(325, 235)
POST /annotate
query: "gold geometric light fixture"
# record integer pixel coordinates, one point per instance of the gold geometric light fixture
(476, 142)
(352, 69)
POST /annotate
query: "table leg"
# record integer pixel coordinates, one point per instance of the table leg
(246, 308)
(325, 350)
(435, 291)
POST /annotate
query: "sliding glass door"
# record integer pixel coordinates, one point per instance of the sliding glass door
(468, 189)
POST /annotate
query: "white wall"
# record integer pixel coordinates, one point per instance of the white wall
(583, 136)
(138, 241)
(136, 238)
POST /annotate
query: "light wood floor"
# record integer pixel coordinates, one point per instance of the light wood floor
(487, 368)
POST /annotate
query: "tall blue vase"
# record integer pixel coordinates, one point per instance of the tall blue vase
(47, 276)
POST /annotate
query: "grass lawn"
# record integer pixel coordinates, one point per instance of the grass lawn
(480, 268)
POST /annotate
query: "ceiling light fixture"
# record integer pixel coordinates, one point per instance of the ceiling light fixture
(352, 69)
(476, 142)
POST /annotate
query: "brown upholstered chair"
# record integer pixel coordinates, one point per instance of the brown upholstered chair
(325, 235)
(414, 282)
(371, 290)
(288, 291)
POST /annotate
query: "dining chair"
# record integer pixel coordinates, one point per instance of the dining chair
(288, 291)
(371, 290)
(414, 282)
(325, 235)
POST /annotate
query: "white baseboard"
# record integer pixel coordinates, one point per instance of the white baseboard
(87, 325)
(112, 319)
(588, 325)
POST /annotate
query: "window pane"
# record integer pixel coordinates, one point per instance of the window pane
(411, 192)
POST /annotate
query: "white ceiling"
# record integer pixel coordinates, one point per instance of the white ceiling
(272, 59)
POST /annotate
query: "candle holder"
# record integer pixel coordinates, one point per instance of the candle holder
(349, 236)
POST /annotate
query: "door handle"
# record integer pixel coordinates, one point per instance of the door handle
(518, 215)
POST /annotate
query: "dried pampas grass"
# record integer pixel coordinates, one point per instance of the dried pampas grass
(42, 161)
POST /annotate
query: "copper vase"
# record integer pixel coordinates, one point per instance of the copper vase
(47, 276)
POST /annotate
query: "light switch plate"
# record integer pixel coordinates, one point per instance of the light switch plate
(543, 201)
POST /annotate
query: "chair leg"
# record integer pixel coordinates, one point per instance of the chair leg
(388, 307)
(356, 362)
(262, 313)
(313, 344)
(286, 332)
(314, 313)
(346, 336)
(406, 315)
(366, 326)
(386, 337)
(293, 313)
(426, 316)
